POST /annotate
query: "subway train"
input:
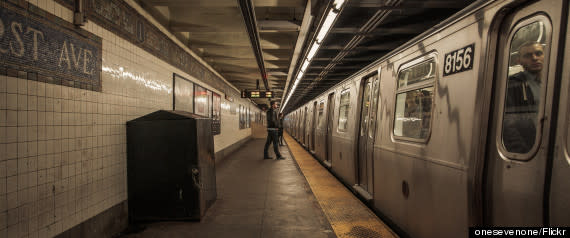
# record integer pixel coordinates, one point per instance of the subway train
(466, 125)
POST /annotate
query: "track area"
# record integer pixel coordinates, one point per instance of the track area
(346, 214)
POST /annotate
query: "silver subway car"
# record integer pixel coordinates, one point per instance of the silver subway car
(466, 125)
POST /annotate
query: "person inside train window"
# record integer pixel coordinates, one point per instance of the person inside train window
(272, 132)
(412, 115)
(523, 98)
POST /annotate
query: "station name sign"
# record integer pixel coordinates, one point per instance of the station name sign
(34, 41)
(256, 94)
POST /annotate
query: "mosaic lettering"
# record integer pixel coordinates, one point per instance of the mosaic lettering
(35, 44)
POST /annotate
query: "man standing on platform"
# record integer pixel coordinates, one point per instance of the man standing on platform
(272, 132)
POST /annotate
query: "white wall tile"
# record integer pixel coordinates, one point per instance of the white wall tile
(75, 140)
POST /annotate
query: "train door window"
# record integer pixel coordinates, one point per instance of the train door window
(414, 99)
(374, 109)
(526, 86)
(365, 108)
(321, 110)
(343, 109)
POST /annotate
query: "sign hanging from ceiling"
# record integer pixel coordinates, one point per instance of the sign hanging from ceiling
(256, 94)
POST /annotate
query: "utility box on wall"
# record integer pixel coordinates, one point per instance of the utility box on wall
(170, 166)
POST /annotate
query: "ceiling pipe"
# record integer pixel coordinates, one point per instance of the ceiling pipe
(248, 13)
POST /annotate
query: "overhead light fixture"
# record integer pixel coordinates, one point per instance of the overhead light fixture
(338, 4)
(305, 65)
(313, 51)
(299, 76)
(326, 26)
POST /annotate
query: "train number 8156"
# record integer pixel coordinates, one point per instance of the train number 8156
(459, 60)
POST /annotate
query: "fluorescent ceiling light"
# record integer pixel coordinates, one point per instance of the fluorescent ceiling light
(326, 26)
(338, 4)
(300, 75)
(305, 65)
(313, 51)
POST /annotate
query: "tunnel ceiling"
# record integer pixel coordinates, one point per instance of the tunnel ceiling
(217, 31)
(364, 31)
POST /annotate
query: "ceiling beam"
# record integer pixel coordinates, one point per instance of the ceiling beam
(188, 27)
(379, 47)
(365, 59)
(410, 5)
(277, 26)
(339, 67)
(416, 29)
(224, 3)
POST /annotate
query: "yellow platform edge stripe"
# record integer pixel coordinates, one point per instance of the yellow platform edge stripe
(348, 216)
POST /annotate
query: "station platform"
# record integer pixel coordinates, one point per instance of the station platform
(295, 197)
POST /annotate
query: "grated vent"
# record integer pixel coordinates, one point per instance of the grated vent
(363, 232)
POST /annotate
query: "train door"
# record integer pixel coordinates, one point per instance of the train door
(366, 135)
(517, 170)
(314, 129)
(329, 131)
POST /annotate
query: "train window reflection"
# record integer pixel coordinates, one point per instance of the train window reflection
(419, 73)
(525, 87)
(372, 126)
(414, 99)
(343, 109)
(413, 113)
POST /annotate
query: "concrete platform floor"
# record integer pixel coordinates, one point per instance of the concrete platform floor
(256, 198)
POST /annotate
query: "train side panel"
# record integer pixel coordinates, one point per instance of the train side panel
(422, 185)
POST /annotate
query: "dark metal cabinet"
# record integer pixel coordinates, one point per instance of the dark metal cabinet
(170, 166)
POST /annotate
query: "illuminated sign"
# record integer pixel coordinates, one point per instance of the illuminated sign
(256, 94)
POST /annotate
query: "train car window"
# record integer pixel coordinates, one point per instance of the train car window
(344, 109)
(374, 109)
(526, 87)
(321, 109)
(414, 100)
(421, 72)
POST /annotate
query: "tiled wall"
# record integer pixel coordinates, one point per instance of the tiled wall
(63, 150)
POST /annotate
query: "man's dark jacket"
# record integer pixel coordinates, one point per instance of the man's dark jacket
(272, 120)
